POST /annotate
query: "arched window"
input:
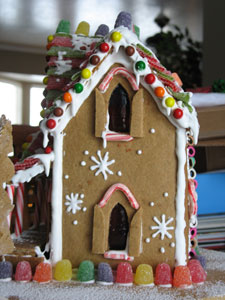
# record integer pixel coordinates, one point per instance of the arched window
(118, 228)
(119, 110)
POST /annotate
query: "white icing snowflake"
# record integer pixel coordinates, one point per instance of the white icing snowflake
(162, 227)
(73, 203)
(102, 164)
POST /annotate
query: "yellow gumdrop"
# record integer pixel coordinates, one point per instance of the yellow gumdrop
(144, 275)
(50, 38)
(85, 73)
(116, 36)
(83, 28)
(63, 270)
(25, 146)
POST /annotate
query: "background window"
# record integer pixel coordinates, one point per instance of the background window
(36, 96)
(10, 99)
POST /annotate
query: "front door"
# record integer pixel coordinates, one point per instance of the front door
(118, 228)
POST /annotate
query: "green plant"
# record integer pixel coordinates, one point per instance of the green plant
(177, 51)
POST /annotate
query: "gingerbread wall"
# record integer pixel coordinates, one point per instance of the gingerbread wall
(7, 171)
(149, 175)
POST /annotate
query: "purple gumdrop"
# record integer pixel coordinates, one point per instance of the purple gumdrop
(124, 19)
(105, 274)
(201, 259)
(102, 30)
(6, 270)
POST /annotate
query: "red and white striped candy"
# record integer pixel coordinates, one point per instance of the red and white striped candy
(10, 191)
(121, 187)
(118, 71)
(114, 136)
(19, 209)
(118, 256)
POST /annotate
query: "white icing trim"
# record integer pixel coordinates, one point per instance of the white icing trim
(180, 250)
(56, 228)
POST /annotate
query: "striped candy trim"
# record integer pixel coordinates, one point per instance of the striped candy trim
(113, 255)
(121, 187)
(118, 71)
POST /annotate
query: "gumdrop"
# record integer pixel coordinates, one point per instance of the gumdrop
(198, 274)
(63, 270)
(105, 275)
(182, 277)
(86, 272)
(144, 275)
(163, 275)
(102, 30)
(124, 274)
(6, 271)
(23, 271)
(43, 272)
(123, 19)
(63, 27)
(201, 259)
(83, 28)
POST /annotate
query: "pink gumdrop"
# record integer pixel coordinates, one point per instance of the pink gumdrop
(163, 275)
(43, 272)
(124, 274)
(23, 271)
(198, 274)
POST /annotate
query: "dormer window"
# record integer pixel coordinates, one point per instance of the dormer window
(119, 110)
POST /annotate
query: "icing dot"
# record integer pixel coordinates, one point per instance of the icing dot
(75, 222)
(172, 245)
(152, 130)
(139, 152)
(82, 196)
(119, 173)
(84, 208)
(147, 240)
(66, 176)
(165, 194)
(162, 250)
(83, 163)
(151, 203)
(86, 152)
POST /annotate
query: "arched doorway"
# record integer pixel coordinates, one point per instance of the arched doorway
(118, 228)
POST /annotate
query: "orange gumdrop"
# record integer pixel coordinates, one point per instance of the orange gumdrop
(159, 91)
(182, 277)
(43, 272)
(67, 97)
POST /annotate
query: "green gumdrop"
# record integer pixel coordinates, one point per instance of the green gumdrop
(86, 271)
(63, 270)
(63, 27)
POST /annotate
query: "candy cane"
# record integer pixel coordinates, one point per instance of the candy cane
(19, 209)
(10, 191)
(121, 187)
(115, 71)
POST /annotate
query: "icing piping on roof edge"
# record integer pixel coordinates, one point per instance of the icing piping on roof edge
(116, 54)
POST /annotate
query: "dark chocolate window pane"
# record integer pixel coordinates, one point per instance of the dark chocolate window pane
(119, 110)
(118, 228)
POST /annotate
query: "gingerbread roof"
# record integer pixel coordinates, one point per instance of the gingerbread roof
(139, 66)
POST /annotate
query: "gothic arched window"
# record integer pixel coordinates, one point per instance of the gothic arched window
(119, 110)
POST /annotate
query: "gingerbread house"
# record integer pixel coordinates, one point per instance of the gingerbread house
(123, 129)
